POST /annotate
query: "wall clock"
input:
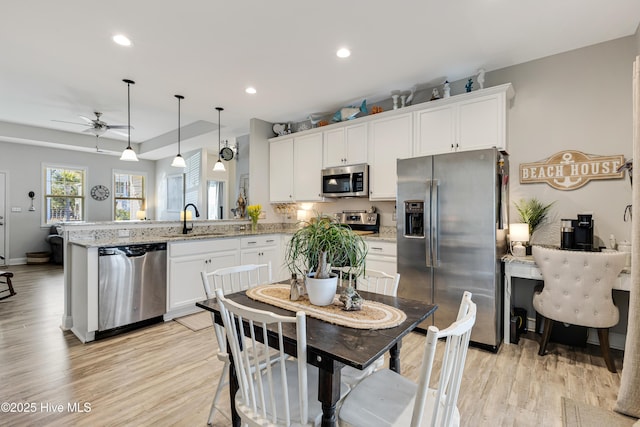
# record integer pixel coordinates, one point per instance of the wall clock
(99, 192)
(226, 153)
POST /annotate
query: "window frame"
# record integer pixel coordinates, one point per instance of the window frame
(44, 170)
(143, 199)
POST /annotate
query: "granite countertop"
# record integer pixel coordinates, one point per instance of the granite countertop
(142, 238)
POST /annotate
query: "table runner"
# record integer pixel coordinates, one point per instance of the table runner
(374, 315)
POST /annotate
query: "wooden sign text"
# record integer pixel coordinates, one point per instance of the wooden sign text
(570, 169)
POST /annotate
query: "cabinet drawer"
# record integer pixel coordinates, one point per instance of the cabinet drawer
(381, 248)
(258, 241)
(201, 246)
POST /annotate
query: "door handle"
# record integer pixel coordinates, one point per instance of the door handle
(435, 222)
(426, 224)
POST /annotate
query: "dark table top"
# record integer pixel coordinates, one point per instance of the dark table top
(355, 347)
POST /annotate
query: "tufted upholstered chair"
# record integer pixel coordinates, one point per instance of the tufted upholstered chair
(577, 290)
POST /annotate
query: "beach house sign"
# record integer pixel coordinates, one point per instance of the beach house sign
(570, 169)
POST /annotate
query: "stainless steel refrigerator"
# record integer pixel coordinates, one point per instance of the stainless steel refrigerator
(451, 216)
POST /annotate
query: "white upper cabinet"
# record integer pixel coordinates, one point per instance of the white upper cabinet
(307, 168)
(281, 170)
(389, 140)
(473, 121)
(295, 165)
(345, 146)
(435, 130)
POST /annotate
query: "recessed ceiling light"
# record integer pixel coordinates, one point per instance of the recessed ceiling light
(343, 53)
(251, 90)
(122, 40)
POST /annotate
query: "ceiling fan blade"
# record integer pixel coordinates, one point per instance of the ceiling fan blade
(72, 123)
(119, 127)
(87, 119)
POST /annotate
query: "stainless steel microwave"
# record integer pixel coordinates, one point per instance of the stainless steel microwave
(346, 181)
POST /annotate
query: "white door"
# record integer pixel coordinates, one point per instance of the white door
(3, 216)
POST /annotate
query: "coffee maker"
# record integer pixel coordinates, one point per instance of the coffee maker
(577, 234)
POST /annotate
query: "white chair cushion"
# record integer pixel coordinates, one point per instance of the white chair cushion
(385, 398)
(352, 376)
(577, 286)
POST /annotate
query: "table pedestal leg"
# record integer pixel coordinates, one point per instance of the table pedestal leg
(394, 357)
(328, 395)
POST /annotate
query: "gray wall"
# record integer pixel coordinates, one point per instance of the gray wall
(23, 166)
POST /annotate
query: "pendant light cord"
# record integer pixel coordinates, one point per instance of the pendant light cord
(219, 137)
(129, 83)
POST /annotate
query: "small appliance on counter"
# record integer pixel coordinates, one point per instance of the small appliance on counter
(361, 222)
(577, 234)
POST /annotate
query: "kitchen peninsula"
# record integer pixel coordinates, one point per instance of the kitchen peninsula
(209, 246)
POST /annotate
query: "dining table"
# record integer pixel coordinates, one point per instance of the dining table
(330, 347)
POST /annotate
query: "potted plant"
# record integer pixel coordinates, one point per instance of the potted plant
(322, 243)
(533, 213)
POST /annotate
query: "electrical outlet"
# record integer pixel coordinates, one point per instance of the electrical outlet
(16, 209)
(394, 217)
(123, 233)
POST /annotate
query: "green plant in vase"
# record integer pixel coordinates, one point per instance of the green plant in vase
(322, 243)
(254, 212)
(533, 213)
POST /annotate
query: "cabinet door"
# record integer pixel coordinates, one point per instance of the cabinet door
(334, 152)
(185, 282)
(221, 260)
(307, 167)
(389, 140)
(281, 170)
(381, 256)
(481, 123)
(356, 144)
(435, 131)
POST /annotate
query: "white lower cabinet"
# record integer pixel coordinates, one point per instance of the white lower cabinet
(382, 256)
(186, 261)
(262, 250)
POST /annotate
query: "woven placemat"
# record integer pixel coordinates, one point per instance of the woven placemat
(374, 315)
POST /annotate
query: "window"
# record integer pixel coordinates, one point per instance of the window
(129, 195)
(64, 194)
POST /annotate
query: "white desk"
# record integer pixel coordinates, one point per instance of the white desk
(526, 268)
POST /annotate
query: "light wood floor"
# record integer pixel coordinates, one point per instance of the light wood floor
(164, 375)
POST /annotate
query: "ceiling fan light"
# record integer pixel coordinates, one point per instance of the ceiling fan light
(128, 155)
(178, 162)
(97, 131)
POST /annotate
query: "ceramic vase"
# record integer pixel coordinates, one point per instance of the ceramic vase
(321, 291)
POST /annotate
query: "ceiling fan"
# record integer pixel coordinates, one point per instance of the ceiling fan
(98, 127)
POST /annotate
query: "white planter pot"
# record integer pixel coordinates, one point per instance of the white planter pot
(321, 291)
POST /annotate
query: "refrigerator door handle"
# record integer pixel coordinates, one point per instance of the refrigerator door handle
(435, 223)
(427, 225)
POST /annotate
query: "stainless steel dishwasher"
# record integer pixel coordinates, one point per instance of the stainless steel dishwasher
(132, 284)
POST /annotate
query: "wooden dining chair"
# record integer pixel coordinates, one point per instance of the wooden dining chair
(386, 398)
(578, 290)
(284, 393)
(380, 283)
(230, 279)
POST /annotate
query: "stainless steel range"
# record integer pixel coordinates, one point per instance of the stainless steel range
(361, 222)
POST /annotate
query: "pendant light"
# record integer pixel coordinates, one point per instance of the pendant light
(219, 166)
(128, 154)
(178, 162)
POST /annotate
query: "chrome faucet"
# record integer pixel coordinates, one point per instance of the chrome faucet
(185, 230)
